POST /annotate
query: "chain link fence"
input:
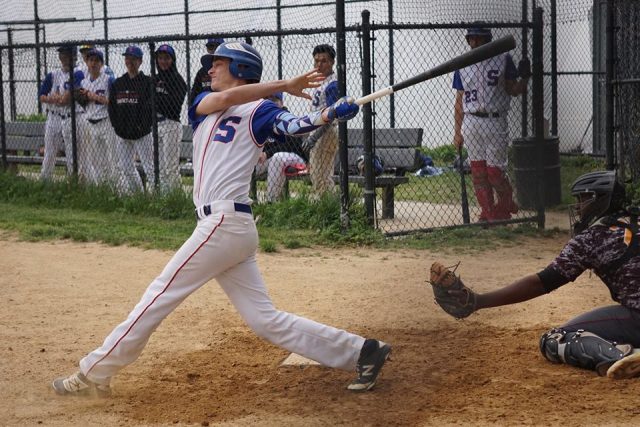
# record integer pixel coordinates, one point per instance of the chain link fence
(422, 181)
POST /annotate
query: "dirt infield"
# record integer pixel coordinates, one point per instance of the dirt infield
(204, 367)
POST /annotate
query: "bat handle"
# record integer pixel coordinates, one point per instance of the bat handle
(375, 95)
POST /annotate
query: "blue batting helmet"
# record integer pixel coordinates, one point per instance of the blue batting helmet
(246, 62)
(479, 32)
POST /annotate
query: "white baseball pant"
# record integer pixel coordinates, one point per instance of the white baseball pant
(169, 141)
(57, 135)
(222, 246)
(486, 139)
(99, 155)
(126, 150)
(274, 167)
(322, 161)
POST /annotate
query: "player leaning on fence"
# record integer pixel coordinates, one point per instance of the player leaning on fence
(55, 94)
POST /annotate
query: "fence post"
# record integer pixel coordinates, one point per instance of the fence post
(106, 31)
(279, 37)
(3, 129)
(538, 110)
(369, 188)
(188, 42)
(12, 83)
(37, 40)
(342, 127)
(554, 68)
(74, 118)
(392, 99)
(524, 101)
(154, 117)
(609, 87)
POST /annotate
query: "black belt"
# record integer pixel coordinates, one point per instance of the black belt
(95, 121)
(485, 115)
(64, 116)
(239, 207)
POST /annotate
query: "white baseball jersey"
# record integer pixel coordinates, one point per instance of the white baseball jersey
(99, 86)
(326, 94)
(57, 81)
(226, 148)
(483, 84)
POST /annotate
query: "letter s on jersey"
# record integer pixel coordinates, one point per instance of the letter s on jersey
(226, 131)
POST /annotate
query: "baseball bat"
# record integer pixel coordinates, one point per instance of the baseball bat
(463, 185)
(486, 51)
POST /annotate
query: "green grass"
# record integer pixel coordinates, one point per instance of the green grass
(64, 210)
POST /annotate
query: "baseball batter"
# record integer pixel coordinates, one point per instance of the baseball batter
(55, 93)
(606, 240)
(484, 92)
(232, 123)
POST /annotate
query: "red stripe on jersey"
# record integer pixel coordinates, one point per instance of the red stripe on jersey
(158, 296)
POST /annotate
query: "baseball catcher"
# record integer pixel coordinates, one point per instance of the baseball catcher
(450, 293)
(606, 240)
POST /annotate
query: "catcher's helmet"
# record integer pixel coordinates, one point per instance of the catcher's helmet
(479, 31)
(246, 62)
(598, 194)
(377, 163)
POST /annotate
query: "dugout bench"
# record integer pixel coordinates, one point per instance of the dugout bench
(23, 142)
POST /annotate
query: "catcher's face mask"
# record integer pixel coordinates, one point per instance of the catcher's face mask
(579, 212)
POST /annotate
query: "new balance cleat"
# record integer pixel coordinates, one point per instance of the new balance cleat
(78, 385)
(369, 367)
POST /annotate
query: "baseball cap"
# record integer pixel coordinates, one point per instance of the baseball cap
(67, 48)
(279, 95)
(211, 42)
(167, 49)
(84, 47)
(95, 52)
(133, 51)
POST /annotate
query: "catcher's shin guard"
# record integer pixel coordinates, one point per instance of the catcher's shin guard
(499, 181)
(582, 349)
(482, 189)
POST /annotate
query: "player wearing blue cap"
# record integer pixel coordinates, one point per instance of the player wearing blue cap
(130, 115)
(55, 94)
(98, 159)
(232, 124)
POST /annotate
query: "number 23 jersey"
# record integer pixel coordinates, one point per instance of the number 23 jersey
(483, 84)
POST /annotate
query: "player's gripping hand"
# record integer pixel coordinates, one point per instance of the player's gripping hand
(344, 109)
(524, 68)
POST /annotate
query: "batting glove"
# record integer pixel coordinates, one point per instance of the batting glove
(524, 68)
(344, 109)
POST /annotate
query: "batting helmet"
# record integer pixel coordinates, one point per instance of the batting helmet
(479, 31)
(246, 62)
(378, 165)
(598, 193)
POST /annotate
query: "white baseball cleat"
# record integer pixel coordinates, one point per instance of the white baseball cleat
(627, 367)
(78, 385)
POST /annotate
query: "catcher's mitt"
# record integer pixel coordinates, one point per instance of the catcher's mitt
(450, 293)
